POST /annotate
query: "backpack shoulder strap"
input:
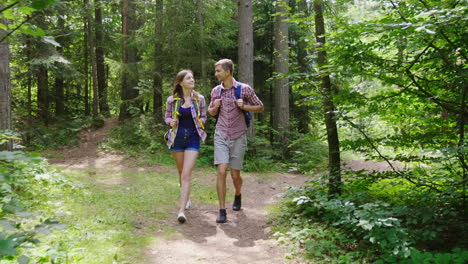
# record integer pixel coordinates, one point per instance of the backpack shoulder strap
(176, 113)
(238, 91)
(220, 90)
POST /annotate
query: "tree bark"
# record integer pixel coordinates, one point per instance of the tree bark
(246, 50)
(42, 76)
(5, 92)
(281, 93)
(158, 50)
(100, 66)
(59, 97)
(130, 25)
(93, 59)
(328, 104)
(86, 67)
(204, 79)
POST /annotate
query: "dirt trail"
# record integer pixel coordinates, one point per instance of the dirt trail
(246, 238)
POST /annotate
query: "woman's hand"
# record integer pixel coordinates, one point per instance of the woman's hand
(174, 123)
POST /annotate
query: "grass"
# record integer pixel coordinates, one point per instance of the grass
(113, 216)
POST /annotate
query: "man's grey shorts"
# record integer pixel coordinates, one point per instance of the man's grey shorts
(227, 151)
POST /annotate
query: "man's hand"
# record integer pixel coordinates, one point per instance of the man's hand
(240, 103)
(217, 103)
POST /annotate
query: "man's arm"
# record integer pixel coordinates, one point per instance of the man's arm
(213, 108)
(253, 108)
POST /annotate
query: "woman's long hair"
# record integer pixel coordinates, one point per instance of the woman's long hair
(178, 91)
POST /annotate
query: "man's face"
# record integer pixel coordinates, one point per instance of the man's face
(221, 74)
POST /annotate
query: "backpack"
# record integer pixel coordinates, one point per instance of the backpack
(237, 92)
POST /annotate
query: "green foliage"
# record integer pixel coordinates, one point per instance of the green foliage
(62, 133)
(25, 215)
(139, 137)
(307, 154)
(409, 222)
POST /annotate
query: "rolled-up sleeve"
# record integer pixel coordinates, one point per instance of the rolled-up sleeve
(203, 116)
(251, 97)
(168, 115)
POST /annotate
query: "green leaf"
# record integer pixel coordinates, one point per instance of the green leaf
(41, 4)
(7, 247)
(2, 26)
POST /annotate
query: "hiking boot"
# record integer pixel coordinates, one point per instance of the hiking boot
(236, 206)
(222, 218)
(181, 218)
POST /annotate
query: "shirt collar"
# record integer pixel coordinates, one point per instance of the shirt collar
(234, 84)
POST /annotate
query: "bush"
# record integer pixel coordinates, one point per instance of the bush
(25, 215)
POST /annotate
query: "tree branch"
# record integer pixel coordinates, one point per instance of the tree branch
(16, 28)
(8, 7)
(371, 143)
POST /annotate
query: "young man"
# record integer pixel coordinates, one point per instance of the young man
(230, 140)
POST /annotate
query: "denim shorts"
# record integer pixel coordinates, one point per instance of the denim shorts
(186, 139)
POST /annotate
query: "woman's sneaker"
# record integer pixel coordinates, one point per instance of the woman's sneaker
(181, 218)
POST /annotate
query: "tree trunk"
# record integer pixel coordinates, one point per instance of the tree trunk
(204, 79)
(281, 93)
(59, 97)
(157, 78)
(100, 66)
(93, 59)
(43, 93)
(5, 92)
(86, 68)
(246, 49)
(301, 113)
(328, 105)
(130, 25)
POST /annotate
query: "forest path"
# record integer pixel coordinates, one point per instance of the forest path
(245, 238)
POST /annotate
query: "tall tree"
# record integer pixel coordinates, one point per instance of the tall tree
(246, 48)
(281, 92)
(328, 92)
(5, 92)
(93, 58)
(130, 24)
(86, 67)
(158, 50)
(59, 97)
(202, 48)
(100, 66)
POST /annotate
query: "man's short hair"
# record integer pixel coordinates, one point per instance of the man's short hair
(226, 64)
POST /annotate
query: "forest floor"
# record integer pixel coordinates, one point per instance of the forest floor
(245, 238)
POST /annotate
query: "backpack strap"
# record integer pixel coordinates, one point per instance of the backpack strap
(175, 112)
(238, 91)
(197, 109)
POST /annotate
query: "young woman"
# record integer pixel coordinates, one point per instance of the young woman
(186, 114)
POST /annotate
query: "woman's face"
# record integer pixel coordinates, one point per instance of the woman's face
(188, 82)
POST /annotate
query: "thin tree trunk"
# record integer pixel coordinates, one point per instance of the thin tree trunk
(93, 59)
(204, 79)
(246, 49)
(86, 68)
(328, 105)
(281, 94)
(5, 92)
(43, 93)
(157, 78)
(59, 83)
(100, 66)
(130, 24)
